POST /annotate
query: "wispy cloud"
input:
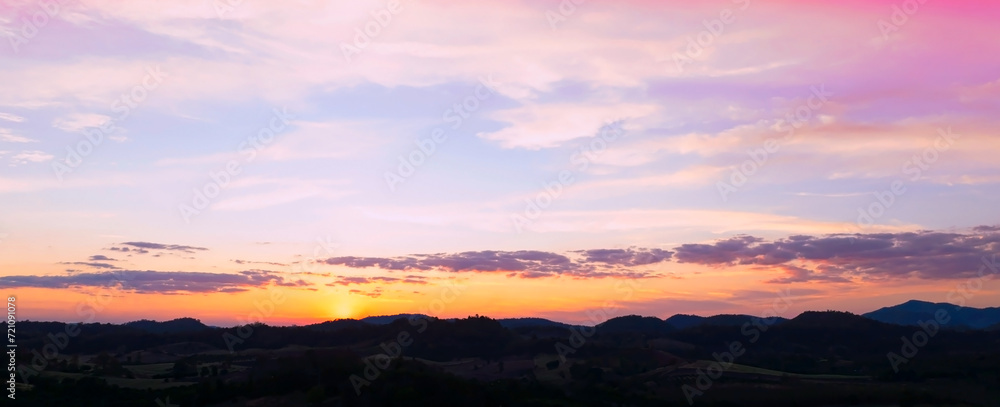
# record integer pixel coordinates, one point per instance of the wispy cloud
(143, 247)
(76, 122)
(345, 281)
(163, 282)
(31, 156)
(8, 136)
(11, 117)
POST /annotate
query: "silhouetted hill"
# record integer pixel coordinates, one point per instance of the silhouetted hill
(180, 325)
(529, 322)
(388, 319)
(913, 311)
(837, 353)
(832, 320)
(740, 319)
(681, 321)
(338, 325)
(634, 323)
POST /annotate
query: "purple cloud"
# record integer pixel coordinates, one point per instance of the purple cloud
(345, 281)
(924, 254)
(626, 257)
(160, 246)
(148, 281)
(523, 263)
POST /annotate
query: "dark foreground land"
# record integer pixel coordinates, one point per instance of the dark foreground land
(815, 359)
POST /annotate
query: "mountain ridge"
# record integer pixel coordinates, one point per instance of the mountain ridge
(908, 313)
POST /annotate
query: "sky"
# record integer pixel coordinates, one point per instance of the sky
(295, 162)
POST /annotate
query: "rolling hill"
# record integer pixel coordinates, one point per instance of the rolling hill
(180, 325)
(681, 321)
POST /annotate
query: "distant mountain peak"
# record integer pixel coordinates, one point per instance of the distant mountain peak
(914, 311)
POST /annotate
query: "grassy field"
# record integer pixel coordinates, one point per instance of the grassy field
(457, 362)
(150, 370)
(736, 368)
(154, 384)
(544, 374)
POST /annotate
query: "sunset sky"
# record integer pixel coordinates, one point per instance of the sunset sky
(503, 158)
